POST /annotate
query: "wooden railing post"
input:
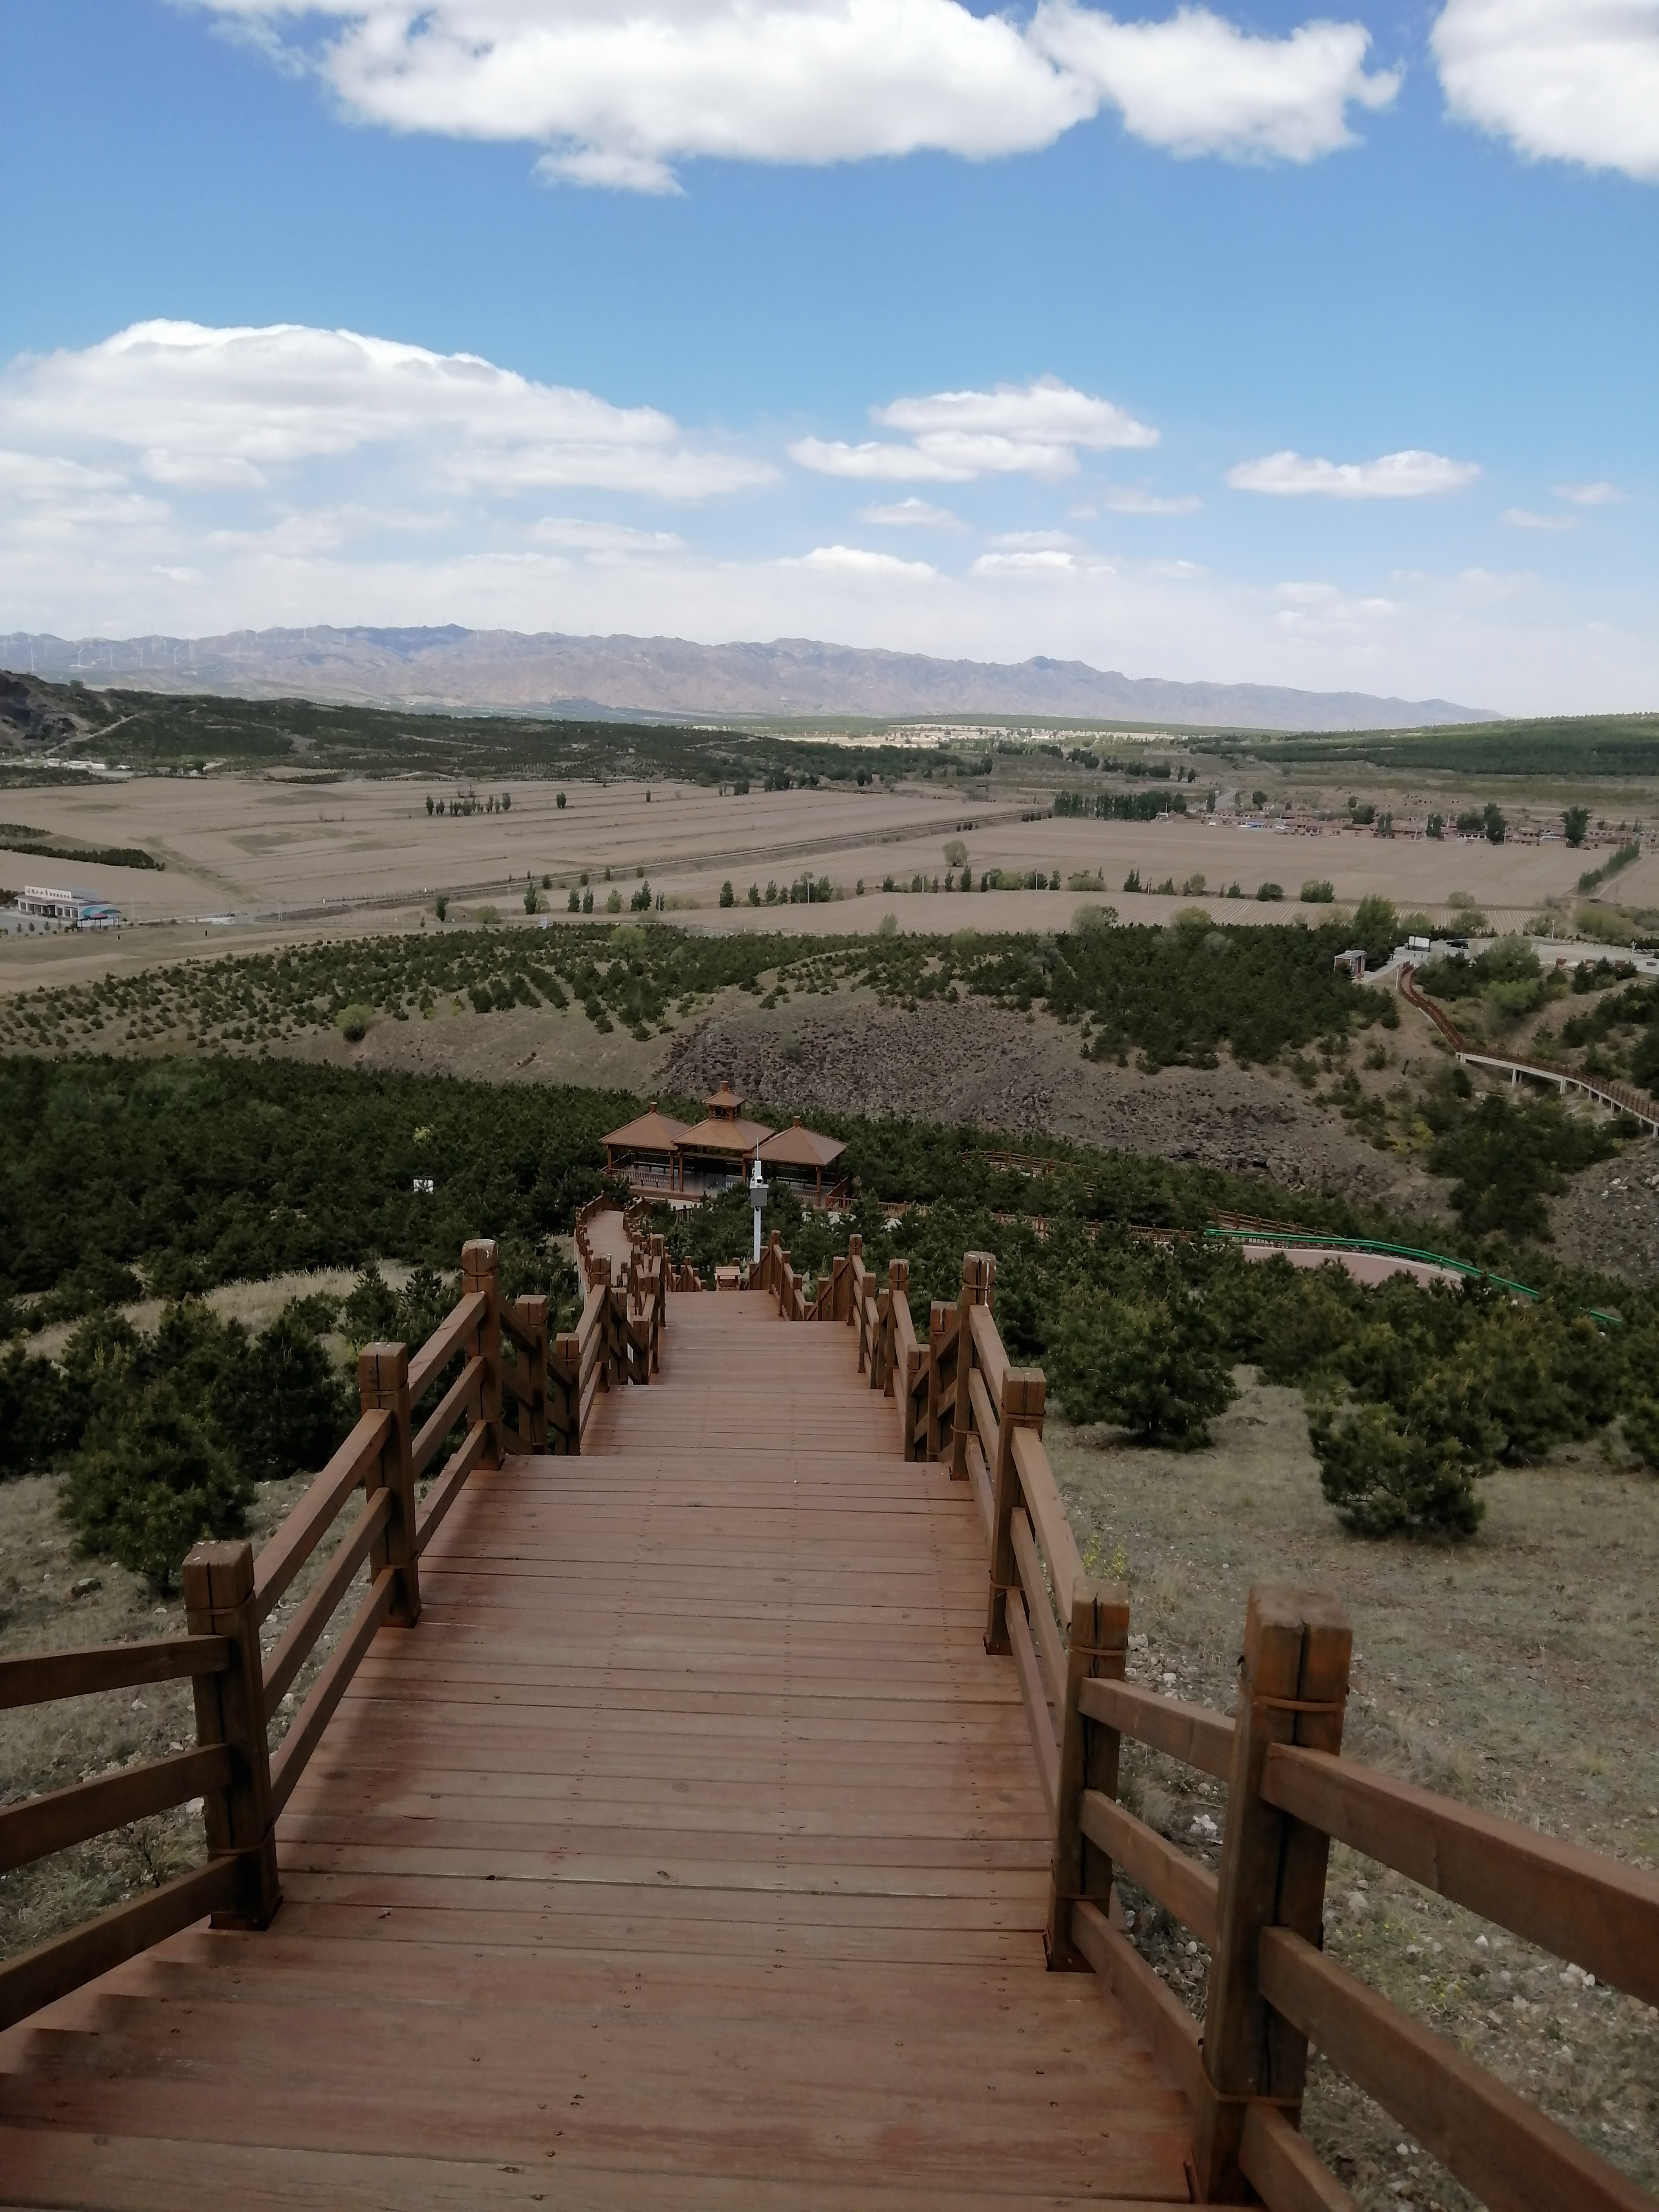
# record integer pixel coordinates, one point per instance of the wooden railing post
(564, 1390)
(383, 1381)
(844, 1289)
(979, 1274)
(1096, 1649)
(478, 1272)
(1024, 1390)
(1292, 1688)
(531, 1314)
(898, 1285)
(230, 1709)
(941, 1326)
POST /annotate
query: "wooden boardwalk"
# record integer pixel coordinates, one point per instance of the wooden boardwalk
(689, 1852)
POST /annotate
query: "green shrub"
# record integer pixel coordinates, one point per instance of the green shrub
(148, 1486)
(354, 1022)
(1384, 1479)
(1317, 893)
(1150, 1365)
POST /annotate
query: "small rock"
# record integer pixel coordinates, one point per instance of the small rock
(1356, 1903)
(86, 1586)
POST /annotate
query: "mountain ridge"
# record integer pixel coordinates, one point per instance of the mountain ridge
(447, 668)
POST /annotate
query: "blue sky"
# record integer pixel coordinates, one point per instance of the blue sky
(1230, 344)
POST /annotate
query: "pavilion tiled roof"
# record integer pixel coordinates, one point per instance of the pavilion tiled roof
(725, 1137)
(651, 1132)
(796, 1147)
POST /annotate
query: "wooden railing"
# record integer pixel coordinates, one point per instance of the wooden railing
(618, 1337)
(1620, 1097)
(1272, 1990)
(229, 1596)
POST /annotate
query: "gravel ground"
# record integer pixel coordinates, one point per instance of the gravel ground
(997, 1069)
(1608, 1218)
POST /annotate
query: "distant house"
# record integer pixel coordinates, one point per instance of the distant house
(662, 1156)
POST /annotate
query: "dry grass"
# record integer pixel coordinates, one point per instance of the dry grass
(1517, 1672)
(255, 1304)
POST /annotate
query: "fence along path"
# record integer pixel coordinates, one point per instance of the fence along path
(689, 1850)
(699, 1827)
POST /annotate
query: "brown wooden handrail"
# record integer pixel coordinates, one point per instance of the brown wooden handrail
(228, 1595)
(1289, 1791)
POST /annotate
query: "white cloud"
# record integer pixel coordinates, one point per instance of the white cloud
(1042, 561)
(1410, 475)
(1592, 494)
(1134, 499)
(1195, 84)
(1031, 429)
(912, 513)
(199, 410)
(1562, 80)
(853, 561)
(1522, 518)
(1033, 541)
(618, 95)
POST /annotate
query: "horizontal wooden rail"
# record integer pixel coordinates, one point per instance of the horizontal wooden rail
(314, 1615)
(1150, 2004)
(448, 1487)
(314, 1513)
(42, 1678)
(1192, 1734)
(53, 1823)
(1510, 2155)
(1286, 2168)
(288, 1761)
(1180, 1886)
(52, 1970)
(992, 1361)
(511, 1328)
(1045, 1632)
(432, 1431)
(1581, 1905)
(1043, 1500)
(445, 1340)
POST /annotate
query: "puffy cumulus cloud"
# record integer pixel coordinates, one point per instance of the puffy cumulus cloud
(1196, 84)
(1410, 475)
(196, 410)
(912, 513)
(1031, 429)
(1562, 80)
(618, 96)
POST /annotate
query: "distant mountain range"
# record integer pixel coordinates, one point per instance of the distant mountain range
(505, 671)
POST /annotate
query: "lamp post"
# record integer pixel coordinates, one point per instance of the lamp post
(757, 1197)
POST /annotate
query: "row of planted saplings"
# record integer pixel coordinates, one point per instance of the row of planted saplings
(427, 1423)
(1259, 1915)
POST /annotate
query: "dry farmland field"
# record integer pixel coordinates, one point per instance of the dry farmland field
(260, 852)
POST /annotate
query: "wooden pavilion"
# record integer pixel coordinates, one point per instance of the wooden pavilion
(795, 1155)
(658, 1154)
(644, 1151)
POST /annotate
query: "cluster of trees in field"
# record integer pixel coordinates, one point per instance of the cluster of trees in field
(469, 803)
(19, 837)
(174, 1176)
(1172, 994)
(1555, 746)
(1415, 1397)
(1120, 806)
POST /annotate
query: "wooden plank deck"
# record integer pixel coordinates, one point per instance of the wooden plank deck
(689, 1852)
